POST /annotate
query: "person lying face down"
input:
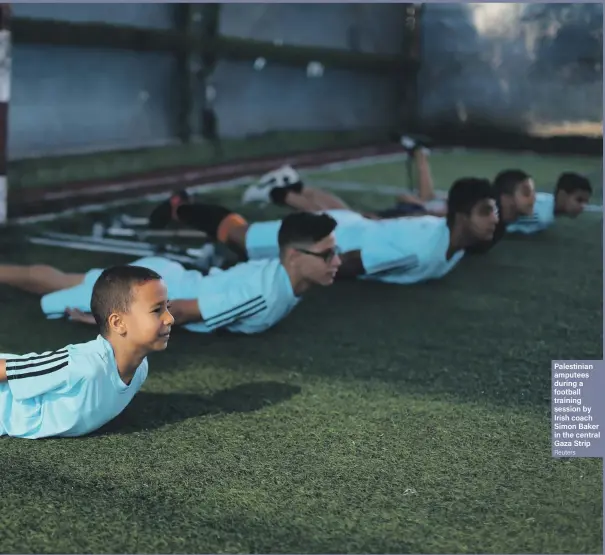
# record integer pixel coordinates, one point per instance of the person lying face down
(400, 250)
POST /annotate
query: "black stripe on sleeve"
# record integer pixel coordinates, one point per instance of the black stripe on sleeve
(404, 264)
(244, 310)
(36, 365)
(42, 372)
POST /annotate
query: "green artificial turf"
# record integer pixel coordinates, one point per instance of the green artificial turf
(374, 419)
(449, 165)
(54, 170)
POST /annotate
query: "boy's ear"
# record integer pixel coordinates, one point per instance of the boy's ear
(288, 252)
(116, 324)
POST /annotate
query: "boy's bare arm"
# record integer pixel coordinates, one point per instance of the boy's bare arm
(411, 199)
(78, 316)
(3, 377)
(185, 311)
(352, 265)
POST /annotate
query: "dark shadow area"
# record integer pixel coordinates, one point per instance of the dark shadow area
(456, 336)
(485, 333)
(154, 410)
(168, 518)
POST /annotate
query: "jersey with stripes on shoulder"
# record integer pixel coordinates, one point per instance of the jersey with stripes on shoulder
(247, 298)
(542, 218)
(65, 393)
(407, 250)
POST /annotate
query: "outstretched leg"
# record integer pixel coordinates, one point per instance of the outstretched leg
(284, 187)
(325, 200)
(311, 200)
(424, 178)
(426, 188)
(39, 279)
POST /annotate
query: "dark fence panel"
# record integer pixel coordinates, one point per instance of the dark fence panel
(372, 28)
(283, 98)
(69, 100)
(149, 16)
(493, 66)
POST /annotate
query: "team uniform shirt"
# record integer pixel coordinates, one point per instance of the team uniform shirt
(250, 297)
(542, 218)
(262, 237)
(66, 393)
(407, 250)
(247, 298)
(399, 250)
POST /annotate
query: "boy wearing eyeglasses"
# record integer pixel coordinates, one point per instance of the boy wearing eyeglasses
(401, 250)
(247, 298)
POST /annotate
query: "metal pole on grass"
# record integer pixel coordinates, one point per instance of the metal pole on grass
(412, 52)
(5, 82)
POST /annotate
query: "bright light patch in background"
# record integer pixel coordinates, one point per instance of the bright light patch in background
(496, 19)
(315, 69)
(259, 63)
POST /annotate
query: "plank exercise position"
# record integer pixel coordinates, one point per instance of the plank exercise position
(401, 250)
(77, 389)
(247, 298)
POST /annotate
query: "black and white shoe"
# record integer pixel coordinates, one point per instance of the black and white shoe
(260, 192)
(411, 145)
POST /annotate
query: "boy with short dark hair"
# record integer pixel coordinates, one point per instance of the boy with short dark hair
(572, 194)
(412, 250)
(75, 390)
(515, 197)
(249, 298)
(401, 250)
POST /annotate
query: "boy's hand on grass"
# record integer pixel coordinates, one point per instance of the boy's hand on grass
(76, 315)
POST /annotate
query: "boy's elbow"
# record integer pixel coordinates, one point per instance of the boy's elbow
(351, 265)
(185, 311)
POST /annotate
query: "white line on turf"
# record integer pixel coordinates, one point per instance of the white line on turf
(201, 189)
(331, 167)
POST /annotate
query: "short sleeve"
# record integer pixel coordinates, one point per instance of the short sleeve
(223, 301)
(35, 374)
(381, 253)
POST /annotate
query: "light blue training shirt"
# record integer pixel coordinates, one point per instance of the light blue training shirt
(65, 393)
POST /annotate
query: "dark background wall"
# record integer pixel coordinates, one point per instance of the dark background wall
(510, 64)
(527, 65)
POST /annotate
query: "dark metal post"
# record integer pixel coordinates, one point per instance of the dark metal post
(5, 82)
(412, 52)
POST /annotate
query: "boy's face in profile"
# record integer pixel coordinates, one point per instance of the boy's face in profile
(483, 220)
(525, 197)
(148, 322)
(573, 204)
(319, 262)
